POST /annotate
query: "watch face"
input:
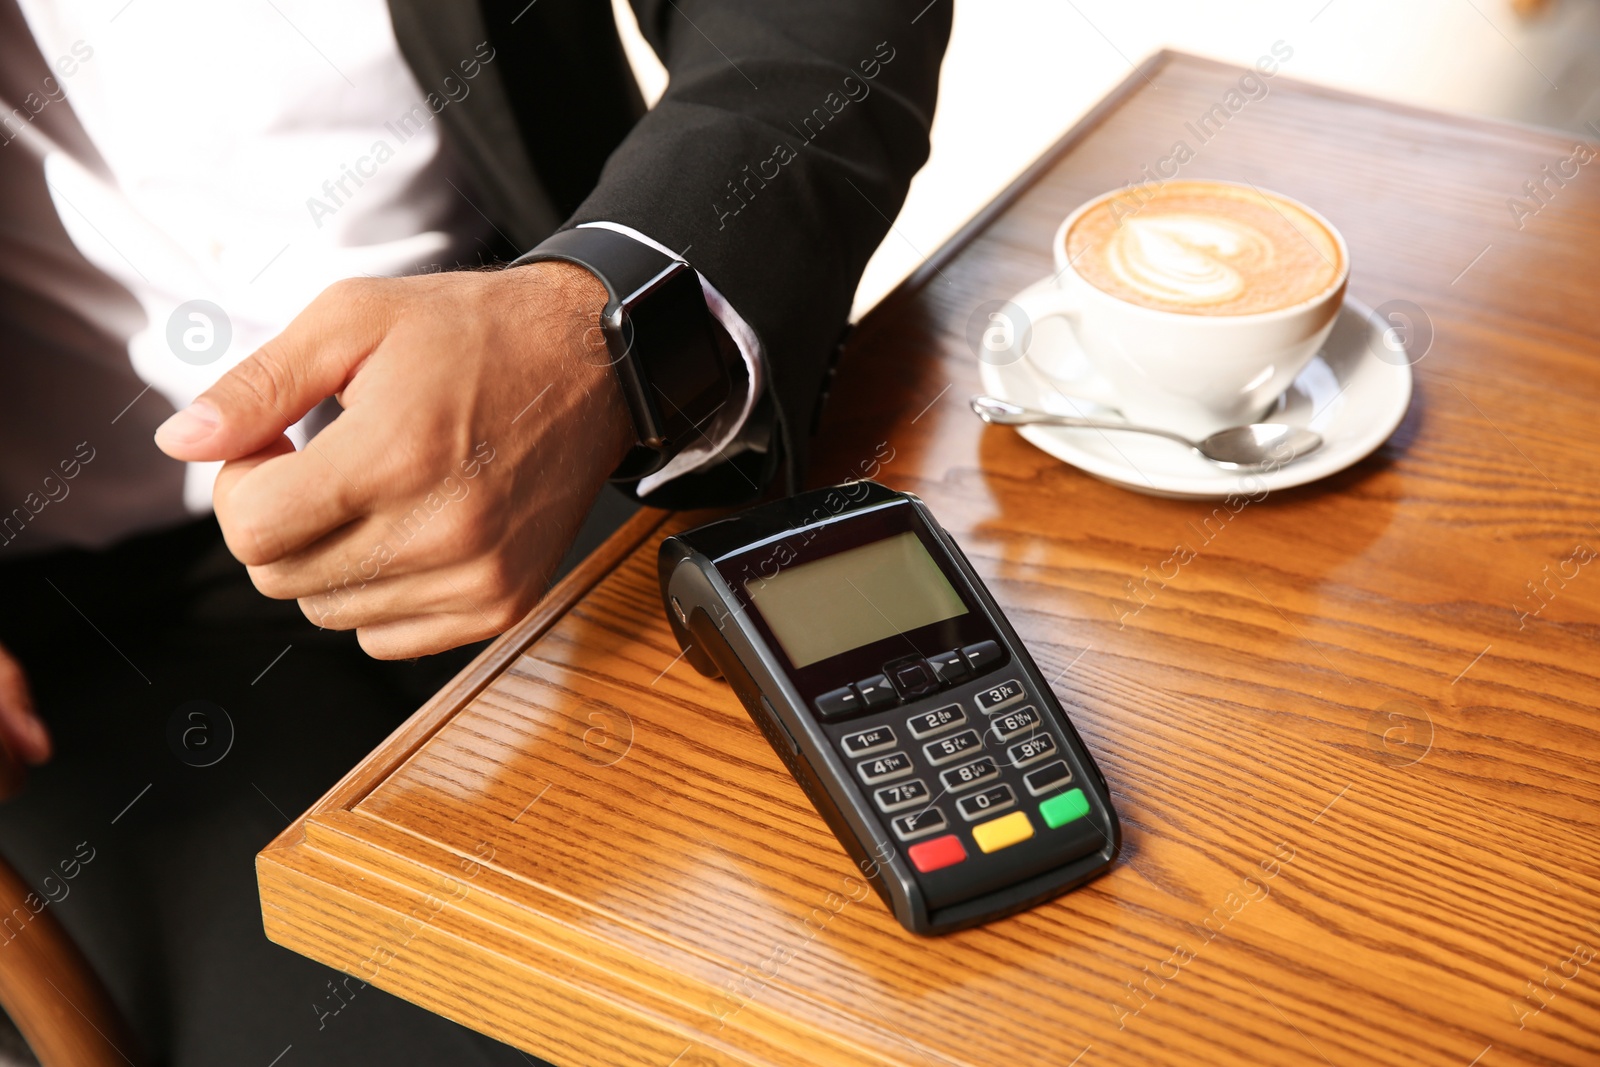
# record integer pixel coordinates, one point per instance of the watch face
(673, 360)
(674, 344)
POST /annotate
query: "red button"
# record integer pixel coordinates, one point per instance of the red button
(941, 852)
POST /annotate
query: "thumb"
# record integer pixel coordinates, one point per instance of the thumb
(254, 403)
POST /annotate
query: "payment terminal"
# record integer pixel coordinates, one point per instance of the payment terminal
(882, 672)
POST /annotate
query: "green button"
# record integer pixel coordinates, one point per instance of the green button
(1058, 811)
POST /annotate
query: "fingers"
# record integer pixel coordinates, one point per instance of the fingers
(271, 390)
(353, 602)
(225, 494)
(423, 635)
(387, 522)
(22, 732)
(278, 502)
(349, 558)
(473, 589)
(400, 618)
(302, 524)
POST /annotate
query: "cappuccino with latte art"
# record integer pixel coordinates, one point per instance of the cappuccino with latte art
(1198, 302)
(1205, 248)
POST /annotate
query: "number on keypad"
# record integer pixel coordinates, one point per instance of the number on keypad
(1013, 723)
(969, 774)
(901, 796)
(882, 769)
(937, 721)
(1032, 750)
(997, 697)
(941, 752)
(976, 806)
(866, 742)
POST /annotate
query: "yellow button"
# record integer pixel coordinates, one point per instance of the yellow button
(996, 834)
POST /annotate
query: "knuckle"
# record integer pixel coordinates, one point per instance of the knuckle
(336, 497)
(354, 297)
(498, 578)
(487, 517)
(500, 585)
(477, 536)
(379, 644)
(272, 582)
(250, 535)
(506, 613)
(370, 643)
(266, 584)
(346, 290)
(267, 377)
(322, 613)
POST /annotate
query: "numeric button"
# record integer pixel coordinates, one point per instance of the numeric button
(1031, 751)
(866, 742)
(884, 768)
(901, 795)
(937, 721)
(996, 798)
(996, 697)
(952, 748)
(968, 775)
(1012, 723)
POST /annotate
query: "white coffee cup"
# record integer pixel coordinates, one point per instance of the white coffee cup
(1191, 373)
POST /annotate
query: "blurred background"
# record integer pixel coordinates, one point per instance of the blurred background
(1020, 72)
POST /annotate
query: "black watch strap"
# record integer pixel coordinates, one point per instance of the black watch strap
(673, 360)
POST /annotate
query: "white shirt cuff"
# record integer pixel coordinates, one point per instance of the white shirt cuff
(725, 425)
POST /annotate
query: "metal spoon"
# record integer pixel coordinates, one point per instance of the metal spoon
(1252, 447)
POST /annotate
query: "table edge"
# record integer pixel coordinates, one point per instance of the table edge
(432, 716)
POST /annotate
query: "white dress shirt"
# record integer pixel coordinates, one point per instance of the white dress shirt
(240, 155)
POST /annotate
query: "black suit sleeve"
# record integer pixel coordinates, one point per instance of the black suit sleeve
(781, 150)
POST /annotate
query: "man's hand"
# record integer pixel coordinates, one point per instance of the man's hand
(480, 419)
(23, 738)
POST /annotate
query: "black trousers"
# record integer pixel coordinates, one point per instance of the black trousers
(157, 814)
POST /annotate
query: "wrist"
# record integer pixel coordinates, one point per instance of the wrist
(673, 362)
(574, 299)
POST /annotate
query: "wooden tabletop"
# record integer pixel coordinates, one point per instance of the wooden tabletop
(1354, 750)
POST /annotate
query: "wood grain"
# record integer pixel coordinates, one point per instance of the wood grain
(588, 850)
(50, 991)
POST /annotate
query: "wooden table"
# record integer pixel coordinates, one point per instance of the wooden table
(1354, 754)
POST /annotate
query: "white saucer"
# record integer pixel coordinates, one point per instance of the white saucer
(1349, 395)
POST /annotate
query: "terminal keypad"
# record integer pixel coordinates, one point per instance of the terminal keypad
(957, 777)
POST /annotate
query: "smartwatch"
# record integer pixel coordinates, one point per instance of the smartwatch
(673, 359)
